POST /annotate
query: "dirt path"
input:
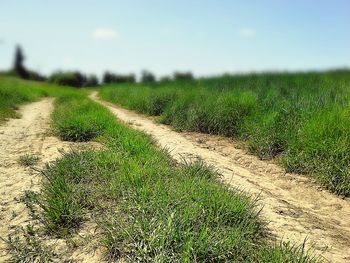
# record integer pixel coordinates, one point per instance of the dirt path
(294, 207)
(26, 135)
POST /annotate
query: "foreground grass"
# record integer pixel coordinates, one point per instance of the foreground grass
(147, 208)
(303, 119)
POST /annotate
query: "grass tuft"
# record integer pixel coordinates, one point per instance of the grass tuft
(65, 197)
(84, 125)
(25, 246)
(28, 160)
(288, 252)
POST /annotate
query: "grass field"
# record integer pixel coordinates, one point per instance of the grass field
(14, 92)
(301, 119)
(148, 208)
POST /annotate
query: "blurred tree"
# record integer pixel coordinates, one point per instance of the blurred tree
(147, 76)
(183, 76)
(118, 78)
(18, 66)
(92, 81)
(73, 79)
(165, 79)
(107, 78)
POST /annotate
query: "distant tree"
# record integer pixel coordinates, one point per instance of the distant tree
(117, 78)
(183, 76)
(92, 81)
(81, 78)
(147, 76)
(107, 78)
(165, 79)
(73, 79)
(126, 78)
(18, 66)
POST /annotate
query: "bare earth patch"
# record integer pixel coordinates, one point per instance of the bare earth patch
(294, 206)
(27, 135)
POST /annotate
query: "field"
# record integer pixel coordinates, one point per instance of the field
(301, 120)
(144, 206)
(14, 92)
(175, 132)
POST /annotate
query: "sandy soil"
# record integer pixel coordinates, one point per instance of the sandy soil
(26, 135)
(295, 208)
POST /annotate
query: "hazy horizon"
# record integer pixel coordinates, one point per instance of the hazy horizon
(204, 37)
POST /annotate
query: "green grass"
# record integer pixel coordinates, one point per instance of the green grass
(147, 208)
(88, 122)
(64, 196)
(302, 119)
(15, 92)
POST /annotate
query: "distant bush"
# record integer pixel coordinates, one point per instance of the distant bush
(108, 78)
(32, 75)
(147, 76)
(92, 81)
(73, 79)
(183, 76)
(118, 78)
(165, 79)
(8, 73)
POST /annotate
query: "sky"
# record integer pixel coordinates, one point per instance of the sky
(207, 37)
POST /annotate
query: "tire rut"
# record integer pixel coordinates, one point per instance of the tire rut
(28, 135)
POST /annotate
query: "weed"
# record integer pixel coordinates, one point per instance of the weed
(31, 200)
(201, 141)
(28, 160)
(25, 246)
(30, 197)
(288, 252)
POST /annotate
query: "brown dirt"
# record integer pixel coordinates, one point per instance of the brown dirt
(295, 208)
(27, 135)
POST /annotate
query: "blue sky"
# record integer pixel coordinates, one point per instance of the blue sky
(204, 36)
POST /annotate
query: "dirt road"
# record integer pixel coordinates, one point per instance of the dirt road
(19, 137)
(294, 206)
(26, 135)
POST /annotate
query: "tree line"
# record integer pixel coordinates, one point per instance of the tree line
(79, 80)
